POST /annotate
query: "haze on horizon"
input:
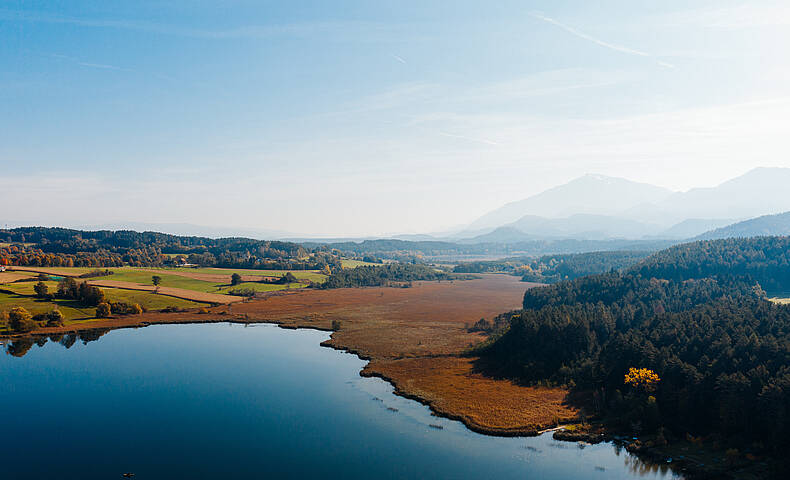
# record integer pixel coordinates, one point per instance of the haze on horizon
(364, 118)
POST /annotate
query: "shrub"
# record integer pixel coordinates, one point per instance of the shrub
(20, 320)
(335, 325)
(41, 289)
(235, 279)
(55, 319)
(121, 308)
(103, 310)
(97, 273)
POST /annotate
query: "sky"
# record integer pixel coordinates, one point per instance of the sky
(350, 118)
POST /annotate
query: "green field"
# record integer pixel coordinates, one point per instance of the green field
(143, 276)
(71, 310)
(124, 274)
(135, 275)
(312, 275)
(26, 288)
(148, 300)
(24, 297)
(355, 263)
(260, 287)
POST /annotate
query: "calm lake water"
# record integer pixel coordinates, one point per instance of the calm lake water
(227, 401)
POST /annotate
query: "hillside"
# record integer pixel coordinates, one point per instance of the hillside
(692, 227)
(693, 315)
(767, 225)
(765, 260)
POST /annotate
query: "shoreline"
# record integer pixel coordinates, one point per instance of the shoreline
(413, 339)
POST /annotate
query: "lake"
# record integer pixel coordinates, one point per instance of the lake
(229, 401)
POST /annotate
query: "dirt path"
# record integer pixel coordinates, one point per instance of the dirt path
(59, 272)
(169, 291)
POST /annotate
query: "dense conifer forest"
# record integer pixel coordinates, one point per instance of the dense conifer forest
(694, 314)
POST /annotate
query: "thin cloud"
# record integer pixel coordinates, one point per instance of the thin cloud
(597, 41)
(102, 66)
(399, 58)
(77, 61)
(471, 139)
(240, 32)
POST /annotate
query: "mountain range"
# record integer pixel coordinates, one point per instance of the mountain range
(598, 207)
(767, 225)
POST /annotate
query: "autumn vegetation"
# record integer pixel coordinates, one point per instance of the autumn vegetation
(684, 342)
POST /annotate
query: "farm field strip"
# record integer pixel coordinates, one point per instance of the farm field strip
(148, 300)
(247, 275)
(207, 280)
(70, 309)
(8, 277)
(170, 291)
(260, 287)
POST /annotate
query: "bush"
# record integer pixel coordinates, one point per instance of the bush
(41, 289)
(121, 308)
(335, 325)
(235, 279)
(97, 273)
(55, 319)
(103, 310)
(20, 320)
(82, 292)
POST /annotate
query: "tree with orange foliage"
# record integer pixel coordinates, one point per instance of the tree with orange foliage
(642, 379)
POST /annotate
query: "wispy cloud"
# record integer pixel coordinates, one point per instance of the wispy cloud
(239, 32)
(598, 41)
(399, 58)
(77, 61)
(471, 139)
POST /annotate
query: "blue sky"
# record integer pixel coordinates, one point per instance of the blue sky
(355, 118)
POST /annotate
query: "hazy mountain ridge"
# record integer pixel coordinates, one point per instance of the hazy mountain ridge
(589, 194)
(600, 207)
(766, 225)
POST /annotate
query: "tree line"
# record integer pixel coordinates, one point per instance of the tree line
(695, 314)
(383, 275)
(556, 268)
(59, 247)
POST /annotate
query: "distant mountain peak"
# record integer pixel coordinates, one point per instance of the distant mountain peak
(589, 194)
(760, 191)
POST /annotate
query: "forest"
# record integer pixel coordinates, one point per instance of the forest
(694, 315)
(556, 268)
(60, 247)
(410, 251)
(384, 275)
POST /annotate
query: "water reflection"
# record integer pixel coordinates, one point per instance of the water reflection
(644, 468)
(19, 347)
(275, 399)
